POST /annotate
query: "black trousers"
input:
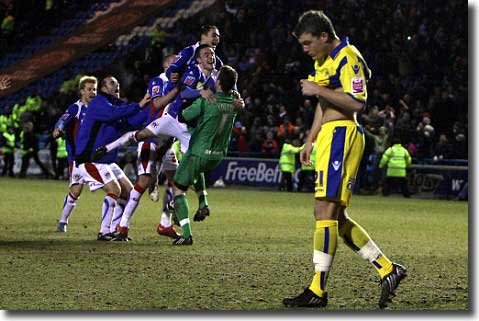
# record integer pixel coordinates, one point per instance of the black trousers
(9, 161)
(62, 164)
(26, 163)
(286, 182)
(391, 183)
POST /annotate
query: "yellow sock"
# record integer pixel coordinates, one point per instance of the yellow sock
(324, 244)
(360, 241)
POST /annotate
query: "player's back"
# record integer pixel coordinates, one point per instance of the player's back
(210, 138)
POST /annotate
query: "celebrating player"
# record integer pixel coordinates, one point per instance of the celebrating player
(68, 125)
(103, 122)
(208, 144)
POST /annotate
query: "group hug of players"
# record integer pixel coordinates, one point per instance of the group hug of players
(99, 123)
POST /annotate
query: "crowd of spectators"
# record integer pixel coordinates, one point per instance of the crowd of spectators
(417, 51)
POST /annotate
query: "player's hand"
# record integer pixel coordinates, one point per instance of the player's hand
(236, 94)
(174, 77)
(146, 99)
(238, 104)
(5, 82)
(57, 133)
(309, 88)
(208, 95)
(305, 155)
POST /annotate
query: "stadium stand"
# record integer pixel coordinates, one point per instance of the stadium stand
(411, 95)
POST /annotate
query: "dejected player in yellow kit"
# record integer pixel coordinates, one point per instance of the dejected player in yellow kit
(339, 82)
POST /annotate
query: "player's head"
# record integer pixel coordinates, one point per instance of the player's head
(87, 87)
(315, 32)
(205, 57)
(210, 35)
(226, 79)
(111, 86)
(168, 61)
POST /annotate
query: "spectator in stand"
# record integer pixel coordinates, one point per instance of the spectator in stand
(269, 147)
(286, 129)
(242, 142)
(460, 147)
(443, 149)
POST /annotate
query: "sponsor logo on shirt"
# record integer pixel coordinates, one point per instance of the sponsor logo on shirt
(357, 84)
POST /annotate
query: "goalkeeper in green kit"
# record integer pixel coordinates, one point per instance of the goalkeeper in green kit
(208, 144)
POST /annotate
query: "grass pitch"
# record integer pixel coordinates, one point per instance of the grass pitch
(254, 249)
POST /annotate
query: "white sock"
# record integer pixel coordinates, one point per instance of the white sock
(120, 207)
(133, 201)
(126, 139)
(109, 204)
(68, 207)
(165, 220)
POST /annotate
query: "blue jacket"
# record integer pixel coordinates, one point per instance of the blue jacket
(105, 121)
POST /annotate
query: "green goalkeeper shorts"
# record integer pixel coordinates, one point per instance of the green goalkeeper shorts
(190, 167)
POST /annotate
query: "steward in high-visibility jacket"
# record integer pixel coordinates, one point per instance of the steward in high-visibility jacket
(8, 149)
(398, 160)
(287, 163)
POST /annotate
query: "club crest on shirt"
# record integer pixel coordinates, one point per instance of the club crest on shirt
(189, 80)
(357, 85)
(155, 90)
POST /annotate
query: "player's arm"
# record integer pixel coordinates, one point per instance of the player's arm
(161, 101)
(342, 100)
(313, 133)
(64, 120)
(192, 112)
(179, 65)
(105, 111)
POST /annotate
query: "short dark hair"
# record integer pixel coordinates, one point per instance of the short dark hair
(314, 22)
(103, 81)
(206, 28)
(198, 50)
(228, 78)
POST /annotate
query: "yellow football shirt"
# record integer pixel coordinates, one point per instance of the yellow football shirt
(344, 68)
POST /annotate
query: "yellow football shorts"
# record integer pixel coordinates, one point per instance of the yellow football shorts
(340, 146)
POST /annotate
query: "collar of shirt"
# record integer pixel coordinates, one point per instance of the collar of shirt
(336, 50)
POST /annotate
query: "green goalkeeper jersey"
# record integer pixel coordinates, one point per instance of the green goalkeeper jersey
(211, 136)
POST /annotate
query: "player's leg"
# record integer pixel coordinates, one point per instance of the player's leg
(334, 144)
(184, 177)
(75, 189)
(101, 176)
(165, 227)
(126, 187)
(200, 188)
(69, 205)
